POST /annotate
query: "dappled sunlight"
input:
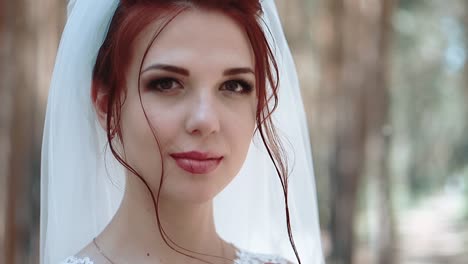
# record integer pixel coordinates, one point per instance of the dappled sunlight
(433, 231)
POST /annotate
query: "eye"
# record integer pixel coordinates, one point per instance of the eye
(238, 86)
(166, 84)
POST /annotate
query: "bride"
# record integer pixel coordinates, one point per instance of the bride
(168, 138)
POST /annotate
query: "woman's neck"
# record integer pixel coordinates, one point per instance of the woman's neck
(133, 235)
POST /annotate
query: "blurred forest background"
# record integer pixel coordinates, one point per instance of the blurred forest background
(385, 86)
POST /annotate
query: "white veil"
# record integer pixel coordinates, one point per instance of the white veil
(78, 198)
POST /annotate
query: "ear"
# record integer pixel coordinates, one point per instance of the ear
(100, 98)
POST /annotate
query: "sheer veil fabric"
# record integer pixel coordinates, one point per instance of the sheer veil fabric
(82, 184)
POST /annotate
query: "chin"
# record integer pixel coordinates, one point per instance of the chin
(183, 187)
(190, 193)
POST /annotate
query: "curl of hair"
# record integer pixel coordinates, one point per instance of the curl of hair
(130, 18)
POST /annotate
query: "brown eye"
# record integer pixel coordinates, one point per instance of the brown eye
(238, 86)
(163, 84)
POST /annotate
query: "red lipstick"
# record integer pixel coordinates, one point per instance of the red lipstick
(197, 162)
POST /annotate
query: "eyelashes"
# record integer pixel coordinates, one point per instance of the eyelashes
(238, 86)
(165, 84)
(170, 85)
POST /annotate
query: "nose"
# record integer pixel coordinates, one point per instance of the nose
(203, 116)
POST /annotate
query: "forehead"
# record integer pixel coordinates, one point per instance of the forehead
(199, 36)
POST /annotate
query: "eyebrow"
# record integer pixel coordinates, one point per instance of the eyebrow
(167, 67)
(235, 71)
(185, 72)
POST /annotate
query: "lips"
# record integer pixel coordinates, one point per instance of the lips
(196, 162)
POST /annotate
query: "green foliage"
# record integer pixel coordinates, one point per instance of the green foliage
(428, 96)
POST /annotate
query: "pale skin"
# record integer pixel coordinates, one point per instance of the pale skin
(209, 105)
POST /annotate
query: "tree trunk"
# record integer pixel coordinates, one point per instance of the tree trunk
(378, 129)
(29, 45)
(21, 207)
(342, 91)
(329, 39)
(355, 72)
(6, 97)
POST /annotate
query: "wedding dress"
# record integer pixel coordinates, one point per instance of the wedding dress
(242, 257)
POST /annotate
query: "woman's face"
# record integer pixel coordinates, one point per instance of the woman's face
(198, 91)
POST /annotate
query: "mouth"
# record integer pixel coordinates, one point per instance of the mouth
(196, 162)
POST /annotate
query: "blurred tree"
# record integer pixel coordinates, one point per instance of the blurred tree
(465, 88)
(5, 116)
(465, 26)
(355, 95)
(427, 96)
(19, 235)
(29, 34)
(378, 128)
(464, 83)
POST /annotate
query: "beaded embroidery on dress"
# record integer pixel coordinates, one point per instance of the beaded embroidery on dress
(243, 257)
(74, 260)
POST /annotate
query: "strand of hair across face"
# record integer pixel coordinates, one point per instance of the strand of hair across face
(270, 139)
(275, 150)
(284, 183)
(166, 238)
(113, 123)
(163, 233)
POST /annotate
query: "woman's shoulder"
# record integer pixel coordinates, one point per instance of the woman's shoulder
(243, 257)
(246, 257)
(88, 255)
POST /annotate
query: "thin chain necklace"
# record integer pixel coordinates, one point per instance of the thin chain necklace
(101, 252)
(108, 259)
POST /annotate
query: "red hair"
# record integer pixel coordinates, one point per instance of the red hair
(114, 56)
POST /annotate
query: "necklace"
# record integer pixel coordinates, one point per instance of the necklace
(101, 252)
(110, 261)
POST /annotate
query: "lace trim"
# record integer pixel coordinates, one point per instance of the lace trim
(242, 257)
(75, 260)
(245, 257)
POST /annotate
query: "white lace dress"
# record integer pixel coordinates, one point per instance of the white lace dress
(243, 257)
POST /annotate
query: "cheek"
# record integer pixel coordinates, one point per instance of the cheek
(140, 146)
(240, 132)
